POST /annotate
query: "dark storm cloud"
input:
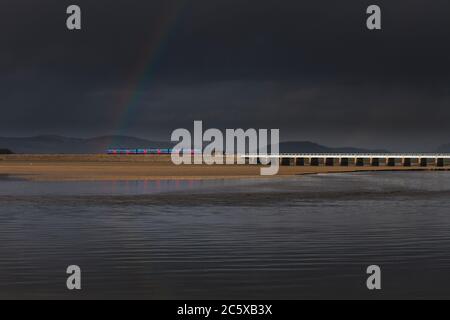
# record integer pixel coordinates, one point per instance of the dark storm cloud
(311, 69)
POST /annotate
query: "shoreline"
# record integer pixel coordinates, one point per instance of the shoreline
(151, 168)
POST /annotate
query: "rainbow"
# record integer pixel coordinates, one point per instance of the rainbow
(143, 72)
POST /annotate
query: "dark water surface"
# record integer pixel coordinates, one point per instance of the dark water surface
(306, 237)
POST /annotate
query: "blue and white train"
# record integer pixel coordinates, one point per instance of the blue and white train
(122, 151)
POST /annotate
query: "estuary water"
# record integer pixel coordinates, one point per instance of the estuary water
(297, 238)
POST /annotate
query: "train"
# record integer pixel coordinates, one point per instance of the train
(122, 151)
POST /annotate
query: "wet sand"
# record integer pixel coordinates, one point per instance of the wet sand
(106, 167)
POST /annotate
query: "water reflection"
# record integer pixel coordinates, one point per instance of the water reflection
(309, 237)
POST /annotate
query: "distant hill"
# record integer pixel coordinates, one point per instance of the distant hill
(65, 145)
(5, 151)
(311, 147)
(444, 148)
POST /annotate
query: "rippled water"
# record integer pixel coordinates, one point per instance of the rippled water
(305, 237)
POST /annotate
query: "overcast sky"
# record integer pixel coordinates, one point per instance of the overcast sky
(310, 68)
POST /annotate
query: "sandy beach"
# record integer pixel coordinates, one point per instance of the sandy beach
(106, 167)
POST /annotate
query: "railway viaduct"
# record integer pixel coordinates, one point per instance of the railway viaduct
(354, 159)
